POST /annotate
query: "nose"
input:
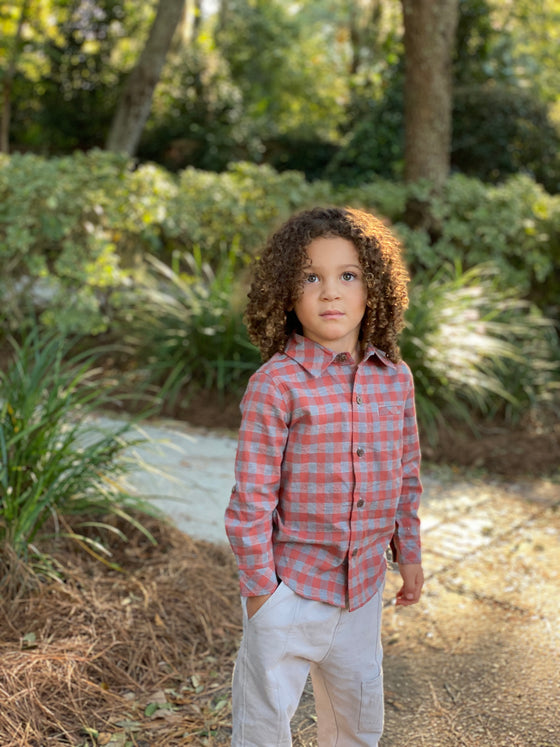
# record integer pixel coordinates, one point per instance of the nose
(330, 289)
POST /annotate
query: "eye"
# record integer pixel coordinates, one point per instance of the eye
(349, 275)
(311, 278)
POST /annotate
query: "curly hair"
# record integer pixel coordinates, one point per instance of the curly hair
(278, 278)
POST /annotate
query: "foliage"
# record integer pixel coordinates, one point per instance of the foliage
(184, 327)
(499, 131)
(75, 231)
(241, 206)
(75, 223)
(528, 31)
(198, 117)
(68, 69)
(49, 471)
(476, 350)
(290, 76)
(374, 145)
(255, 80)
(515, 225)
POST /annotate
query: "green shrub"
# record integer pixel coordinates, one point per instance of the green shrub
(184, 328)
(75, 232)
(71, 229)
(48, 470)
(515, 225)
(477, 350)
(242, 205)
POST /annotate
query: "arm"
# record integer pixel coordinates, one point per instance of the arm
(405, 544)
(249, 516)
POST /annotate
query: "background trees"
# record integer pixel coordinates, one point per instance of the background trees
(135, 100)
(315, 85)
(429, 41)
(262, 108)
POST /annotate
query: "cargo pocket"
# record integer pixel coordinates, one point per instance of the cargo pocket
(371, 707)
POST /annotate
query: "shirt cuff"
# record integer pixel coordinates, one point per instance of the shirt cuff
(407, 553)
(257, 582)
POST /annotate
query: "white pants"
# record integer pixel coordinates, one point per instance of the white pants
(290, 636)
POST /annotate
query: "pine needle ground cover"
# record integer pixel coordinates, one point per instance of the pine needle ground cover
(141, 656)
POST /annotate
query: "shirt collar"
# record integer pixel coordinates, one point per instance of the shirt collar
(315, 358)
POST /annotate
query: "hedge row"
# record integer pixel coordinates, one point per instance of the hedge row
(80, 227)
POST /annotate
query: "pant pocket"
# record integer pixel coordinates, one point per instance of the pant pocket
(371, 706)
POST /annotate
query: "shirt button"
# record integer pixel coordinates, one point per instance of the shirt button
(359, 400)
(360, 503)
(360, 452)
(341, 357)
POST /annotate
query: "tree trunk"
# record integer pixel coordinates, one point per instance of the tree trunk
(429, 39)
(136, 99)
(8, 80)
(223, 16)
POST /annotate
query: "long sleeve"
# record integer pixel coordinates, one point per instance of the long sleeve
(249, 516)
(406, 539)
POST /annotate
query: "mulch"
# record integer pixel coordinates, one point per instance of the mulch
(140, 656)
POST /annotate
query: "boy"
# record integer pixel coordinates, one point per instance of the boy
(327, 476)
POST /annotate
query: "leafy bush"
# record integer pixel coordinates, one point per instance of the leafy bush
(185, 329)
(75, 232)
(476, 350)
(242, 205)
(516, 225)
(71, 228)
(48, 471)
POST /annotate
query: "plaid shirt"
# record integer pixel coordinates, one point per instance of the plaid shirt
(327, 475)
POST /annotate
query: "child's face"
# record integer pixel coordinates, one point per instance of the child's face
(333, 301)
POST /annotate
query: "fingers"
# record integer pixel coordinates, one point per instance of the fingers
(413, 581)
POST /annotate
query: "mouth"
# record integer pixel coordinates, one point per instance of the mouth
(331, 314)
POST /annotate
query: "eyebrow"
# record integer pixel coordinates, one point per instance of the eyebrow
(310, 265)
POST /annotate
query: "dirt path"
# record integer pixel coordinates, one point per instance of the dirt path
(477, 663)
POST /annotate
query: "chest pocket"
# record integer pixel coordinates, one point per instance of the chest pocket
(391, 411)
(387, 428)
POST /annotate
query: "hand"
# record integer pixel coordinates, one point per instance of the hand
(413, 580)
(255, 603)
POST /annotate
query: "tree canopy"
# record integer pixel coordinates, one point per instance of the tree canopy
(315, 84)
